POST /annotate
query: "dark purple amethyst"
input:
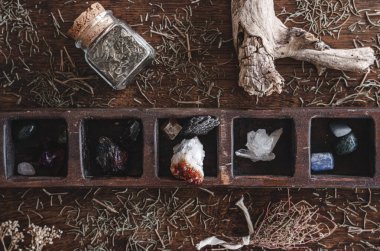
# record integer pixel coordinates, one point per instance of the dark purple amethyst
(51, 161)
(110, 156)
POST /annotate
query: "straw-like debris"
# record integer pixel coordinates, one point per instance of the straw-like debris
(284, 225)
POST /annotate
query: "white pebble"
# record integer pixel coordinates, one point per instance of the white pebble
(26, 169)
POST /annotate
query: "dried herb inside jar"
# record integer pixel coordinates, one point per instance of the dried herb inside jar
(117, 54)
(112, 48)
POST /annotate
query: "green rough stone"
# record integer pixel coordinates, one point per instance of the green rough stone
(26, 131)
(346, 144)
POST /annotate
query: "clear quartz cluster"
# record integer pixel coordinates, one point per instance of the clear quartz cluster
(260, 145)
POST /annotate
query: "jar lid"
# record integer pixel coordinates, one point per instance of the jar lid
(84, 29)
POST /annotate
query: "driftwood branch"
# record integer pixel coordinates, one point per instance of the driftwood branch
(260, 38)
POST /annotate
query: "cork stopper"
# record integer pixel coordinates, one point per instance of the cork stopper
(86, 28)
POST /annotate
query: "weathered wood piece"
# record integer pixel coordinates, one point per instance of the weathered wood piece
(260, 38)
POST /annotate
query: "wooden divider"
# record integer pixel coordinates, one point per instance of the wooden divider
(292, 168)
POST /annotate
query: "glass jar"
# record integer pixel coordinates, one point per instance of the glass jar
(115, 51)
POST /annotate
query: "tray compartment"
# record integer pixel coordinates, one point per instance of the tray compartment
(50, 136)
(282, 165)
(359, 163)
(165, 149)
(222, 168)
(94, 128)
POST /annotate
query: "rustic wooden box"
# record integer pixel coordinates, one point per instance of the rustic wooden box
(305, 131)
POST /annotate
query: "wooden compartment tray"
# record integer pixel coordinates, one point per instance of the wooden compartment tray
(305, 131)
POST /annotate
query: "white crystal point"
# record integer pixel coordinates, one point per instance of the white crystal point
(244, 153)
(275, 136)
(260, 145)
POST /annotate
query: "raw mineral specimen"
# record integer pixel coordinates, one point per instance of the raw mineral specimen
(200, 125)
(322, 162)
(26, 131)
(131, 132)
(52, 161)
(260, 145)
(346, 144)
(339, 129)
(26, 169)
(172, 128)
(110, 156)
(187, 161)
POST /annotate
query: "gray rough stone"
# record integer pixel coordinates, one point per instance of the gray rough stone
(26, 169)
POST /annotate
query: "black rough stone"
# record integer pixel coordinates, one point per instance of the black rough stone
(200, 125)
(110, 156)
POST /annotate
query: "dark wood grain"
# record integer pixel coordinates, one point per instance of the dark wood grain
(219, 12)
(232, 98)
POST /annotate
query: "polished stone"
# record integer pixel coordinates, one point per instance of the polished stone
(339, 129)
(322, 162)
(26, 169)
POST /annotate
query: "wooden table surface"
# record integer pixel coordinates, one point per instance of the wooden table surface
(37, 205)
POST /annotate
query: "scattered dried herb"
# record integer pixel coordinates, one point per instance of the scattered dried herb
(183, 56)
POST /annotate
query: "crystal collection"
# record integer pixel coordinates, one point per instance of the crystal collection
(112, 153)
(345, 143)
(48, 153)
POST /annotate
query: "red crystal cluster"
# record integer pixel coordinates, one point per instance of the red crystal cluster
(183, 170)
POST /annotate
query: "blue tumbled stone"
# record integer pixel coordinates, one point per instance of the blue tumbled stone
(322, 162)
(346, 144)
